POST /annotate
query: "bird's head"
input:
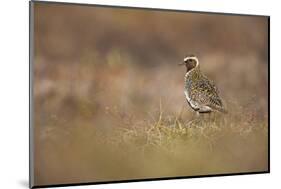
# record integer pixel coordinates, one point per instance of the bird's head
(190, 62)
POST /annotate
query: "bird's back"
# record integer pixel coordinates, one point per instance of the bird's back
(201, 93)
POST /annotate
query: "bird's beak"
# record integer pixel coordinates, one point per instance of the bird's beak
(182, 63)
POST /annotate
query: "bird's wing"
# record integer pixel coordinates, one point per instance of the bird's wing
(206, 93)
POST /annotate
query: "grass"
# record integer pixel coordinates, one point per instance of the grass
(162, 145)
(167, 131)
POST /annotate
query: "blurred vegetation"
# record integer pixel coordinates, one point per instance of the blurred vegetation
(99, 74)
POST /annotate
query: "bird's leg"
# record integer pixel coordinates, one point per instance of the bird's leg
(195, 120)
(205, 117)
(214, 117)
(210, 116)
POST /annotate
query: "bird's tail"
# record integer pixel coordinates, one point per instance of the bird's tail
(221, 108)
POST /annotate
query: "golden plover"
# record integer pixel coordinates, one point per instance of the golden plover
(200, 92)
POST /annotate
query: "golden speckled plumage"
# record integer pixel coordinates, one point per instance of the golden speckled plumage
(200, 92)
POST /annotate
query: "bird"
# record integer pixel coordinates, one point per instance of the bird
(200, 92)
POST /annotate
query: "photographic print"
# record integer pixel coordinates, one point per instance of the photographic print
(123, 94)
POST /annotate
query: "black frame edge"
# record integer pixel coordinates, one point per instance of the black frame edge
(268, 85)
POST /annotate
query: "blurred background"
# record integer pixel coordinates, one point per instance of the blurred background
(98, 69)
